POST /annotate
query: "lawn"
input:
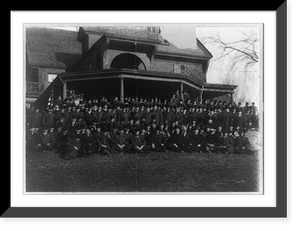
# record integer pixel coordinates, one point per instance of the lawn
(151, 172)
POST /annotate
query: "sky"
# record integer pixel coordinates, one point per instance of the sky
(249, 81)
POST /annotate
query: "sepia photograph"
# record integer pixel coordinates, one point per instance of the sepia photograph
(144, 108)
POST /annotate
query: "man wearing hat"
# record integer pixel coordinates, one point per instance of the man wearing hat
(36, 119)
(48, 118)
(121, 142)
(158, 142)
(61, 140)
(105, 142)
(31, 139)
(88, 142)
(67, 113)
(176, 141)
(71, 127)
(73, 147)
(138, 142)
(45, 141)
(211, 141)
(89, 117)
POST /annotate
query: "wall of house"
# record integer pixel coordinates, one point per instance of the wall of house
(193, 70)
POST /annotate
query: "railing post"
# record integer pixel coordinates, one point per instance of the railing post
(122, 90)
(64, 90)
(181, 91)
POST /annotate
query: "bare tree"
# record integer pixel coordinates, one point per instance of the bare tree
(237, 61)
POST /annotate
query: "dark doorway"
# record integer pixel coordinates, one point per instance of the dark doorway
(109, 88)
(150, 89)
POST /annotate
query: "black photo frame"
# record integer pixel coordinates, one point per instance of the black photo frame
(279, 211)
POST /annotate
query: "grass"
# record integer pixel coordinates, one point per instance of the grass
(151, 172)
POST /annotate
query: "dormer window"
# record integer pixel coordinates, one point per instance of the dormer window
(179, 68)
(152, 29)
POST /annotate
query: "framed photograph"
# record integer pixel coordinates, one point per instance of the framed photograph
(144, 114)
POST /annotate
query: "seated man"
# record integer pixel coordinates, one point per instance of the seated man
(88, 142)
(45, 141)
(243, 145)
(226, 145)
(97, 134)
(211, 141)
(194, 143)
(73, 147)
(138, 142)
(61, 140)
(31, 139)
(121, 142)
(104, 142)
(176, 141)
(158, 142)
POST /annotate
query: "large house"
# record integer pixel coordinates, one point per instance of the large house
(114, 61)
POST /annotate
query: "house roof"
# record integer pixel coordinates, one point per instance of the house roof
(164, 47)
(125, 31)
(171, 49)
(52, 47)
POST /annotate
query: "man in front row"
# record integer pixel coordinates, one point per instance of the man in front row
(158, 141)
(121, 142)
(138, 142)
(195, 143)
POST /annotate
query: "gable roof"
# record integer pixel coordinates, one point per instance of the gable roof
(125, 31)
(171, 49)
(52, 47)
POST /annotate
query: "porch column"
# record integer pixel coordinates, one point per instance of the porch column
(181, 90)
(122, 90)
(231, 98)
(201, 93)
(64, 95)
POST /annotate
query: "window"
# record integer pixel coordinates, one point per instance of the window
(51, 77)
(179, 68)
(152, 29)
(182, 69)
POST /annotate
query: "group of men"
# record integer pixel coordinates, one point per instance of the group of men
(77, 129)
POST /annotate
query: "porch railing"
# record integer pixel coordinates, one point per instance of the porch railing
(35, 88)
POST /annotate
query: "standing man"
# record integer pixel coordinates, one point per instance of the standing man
(37, 119)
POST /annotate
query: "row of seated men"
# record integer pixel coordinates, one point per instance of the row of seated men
(107, 140)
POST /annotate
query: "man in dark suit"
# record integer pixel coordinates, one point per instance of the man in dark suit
(37, 119)
(211, 141)
(45, 141)
(176, 141)
(48, 118)
(73, 147)
(170, 116)
(31, 139)
(71, 127)
(121, 142)
(148, 116)
(138, 142)
(157, 115)
(239, 121)
(89, 117)
(194, 143)
(88, 142)
(61, 140)
(105, 143)
(158, 141)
